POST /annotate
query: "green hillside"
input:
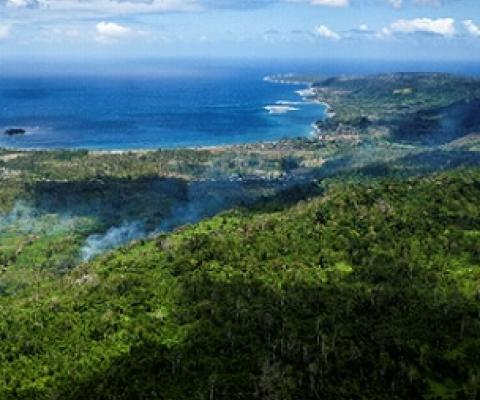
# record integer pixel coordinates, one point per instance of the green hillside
(371, 291)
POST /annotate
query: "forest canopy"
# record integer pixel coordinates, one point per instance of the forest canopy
(370, 291)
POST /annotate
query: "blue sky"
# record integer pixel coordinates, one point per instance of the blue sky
(364, 29)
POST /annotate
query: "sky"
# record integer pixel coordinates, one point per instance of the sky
(310, 29)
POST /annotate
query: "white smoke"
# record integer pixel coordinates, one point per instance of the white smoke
(115, 237)
(205, 199)
(26, 219)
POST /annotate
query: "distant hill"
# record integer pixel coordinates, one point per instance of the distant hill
(418, 108)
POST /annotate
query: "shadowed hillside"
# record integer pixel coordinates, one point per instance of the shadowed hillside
(370, 292)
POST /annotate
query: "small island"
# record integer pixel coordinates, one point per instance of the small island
(15, 131)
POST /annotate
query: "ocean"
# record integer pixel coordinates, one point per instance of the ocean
(167, 105)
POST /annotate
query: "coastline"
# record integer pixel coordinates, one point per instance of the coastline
(307, 95)
(251, 146)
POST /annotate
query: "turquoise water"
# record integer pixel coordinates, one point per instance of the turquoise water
(209, 107)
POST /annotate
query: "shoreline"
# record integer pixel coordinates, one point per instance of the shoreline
(308, 96)
(220, 147)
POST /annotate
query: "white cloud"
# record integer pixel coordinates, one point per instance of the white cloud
(395, 3)
(4, 31)
(21, 3)
(326, 33)
(111, 32)
(432, 3)
(423, 3)
(472, 28)
(325, 3)
(112, 29)
(331, 3)
(442, 26)
(106, 7)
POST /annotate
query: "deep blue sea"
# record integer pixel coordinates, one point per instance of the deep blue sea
(162, 105)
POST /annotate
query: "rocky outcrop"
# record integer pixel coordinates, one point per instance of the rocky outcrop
(14, 131)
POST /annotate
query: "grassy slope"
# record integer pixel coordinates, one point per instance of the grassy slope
(427, 109)
(370, 292)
